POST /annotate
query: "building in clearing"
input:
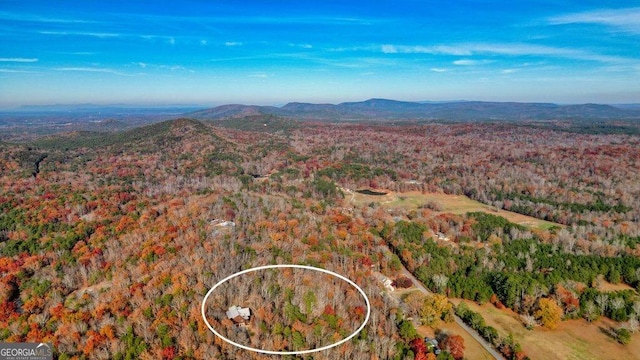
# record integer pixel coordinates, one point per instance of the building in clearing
(388, 283)
(239, 315)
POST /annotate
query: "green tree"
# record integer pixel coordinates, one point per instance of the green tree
(310, 301)
(407, 330)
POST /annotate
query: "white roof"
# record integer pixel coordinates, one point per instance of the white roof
(234, 311)
(245, 313)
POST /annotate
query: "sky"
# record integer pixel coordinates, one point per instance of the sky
(274, 52)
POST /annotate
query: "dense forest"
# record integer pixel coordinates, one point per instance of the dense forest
(109, 242)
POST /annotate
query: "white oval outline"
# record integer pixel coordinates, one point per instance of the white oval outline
(270, 352)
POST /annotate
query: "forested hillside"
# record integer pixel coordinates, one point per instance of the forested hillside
(109, 243)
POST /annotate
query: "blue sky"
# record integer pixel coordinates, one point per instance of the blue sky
(273, 52)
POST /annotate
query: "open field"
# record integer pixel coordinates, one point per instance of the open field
(609, 287)
(573, 339)
(473, 349)
(450, 204)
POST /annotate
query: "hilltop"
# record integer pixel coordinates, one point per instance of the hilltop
(384, 109)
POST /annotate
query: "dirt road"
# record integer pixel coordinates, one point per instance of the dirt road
(459, 321)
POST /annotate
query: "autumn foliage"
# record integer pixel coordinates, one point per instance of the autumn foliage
(108, 250)
(549, 313)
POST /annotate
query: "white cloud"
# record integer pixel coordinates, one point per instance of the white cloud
(303, 46)
(389, 49)
(625, 19)
(203, 42)
(15, 71)
(36, 18)
(504, 49)
(232, 43)
(434, 50)
(81, 33)
(142, 65)
(473, 48)
(19, 60)
(171, 41)
(92, 69)
(439, 70)
(175, 68)
(508, 71)
(468, 62)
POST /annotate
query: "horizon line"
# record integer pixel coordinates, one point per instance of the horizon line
(34, 107)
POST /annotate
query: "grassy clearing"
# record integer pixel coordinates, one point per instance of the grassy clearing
(573, 339)
(450, 204)
(473, 349)
(605, 286)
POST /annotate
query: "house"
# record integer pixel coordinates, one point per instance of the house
(443, 237)
(222, 223)
(386, 282)
(238, 314)
(220, 226)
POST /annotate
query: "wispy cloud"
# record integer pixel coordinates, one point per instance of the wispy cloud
(233, 43)
(203, 42)
(259, 75)
(492, 49)
(439, 70)
(434, 50)
(175, 68)
(473, 49)
(468, 62)
(624, 19)
(303, 46)
(279, 19)
(82, 33)
(93, 70)
(15, 71)
(37, 18)
(19, 60)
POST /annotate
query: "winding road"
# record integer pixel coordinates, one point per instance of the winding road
(459, 321)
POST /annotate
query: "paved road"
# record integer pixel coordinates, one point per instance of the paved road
(459, 321)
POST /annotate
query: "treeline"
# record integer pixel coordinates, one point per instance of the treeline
(520, 272)
(508, 347)
(598, 205)
(585, 181)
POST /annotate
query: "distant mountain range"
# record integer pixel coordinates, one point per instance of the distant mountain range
(383, 109)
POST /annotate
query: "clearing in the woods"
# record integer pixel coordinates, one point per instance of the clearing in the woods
(450, 204)
(573, 339)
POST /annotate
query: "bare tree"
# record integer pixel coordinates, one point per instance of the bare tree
(636, 308)
(590, 313)
(440, 281)
(632, 325)
(602, 300)
(529, 321)
(616, 303)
